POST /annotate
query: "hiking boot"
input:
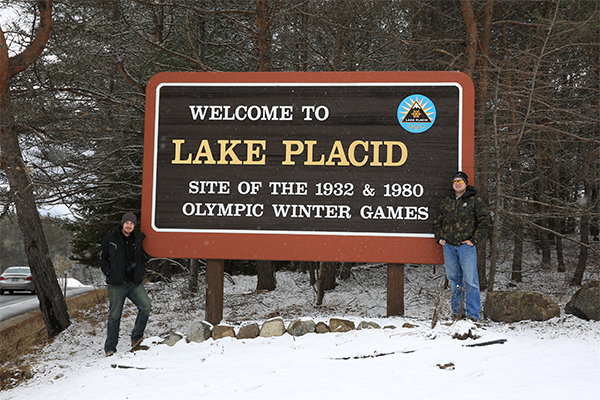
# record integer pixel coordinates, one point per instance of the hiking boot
(456, 317)
(136, 343)
(109, 353)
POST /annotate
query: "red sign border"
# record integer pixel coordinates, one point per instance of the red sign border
(304, 247)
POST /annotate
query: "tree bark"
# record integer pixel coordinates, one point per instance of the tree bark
(483, 159)
(514, 161)
(321, 284)
(329, 281)
(517, 261)
(470, 37)
(325, 280)
(193, 281)
(165, 270)
(265, 275)
(312, 266)
(583, 251)
(338, 49)
(466, 7)
(560, 258)
(495, 236)
(585, 219)
(264, 35)
(346, 270)
(52, 303)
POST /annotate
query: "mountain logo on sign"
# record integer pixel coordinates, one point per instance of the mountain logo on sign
(416, 113)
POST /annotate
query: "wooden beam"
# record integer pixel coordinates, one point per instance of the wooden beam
(215, 272)
(395, 290)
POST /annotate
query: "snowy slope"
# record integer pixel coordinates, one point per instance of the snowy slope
(556, 359)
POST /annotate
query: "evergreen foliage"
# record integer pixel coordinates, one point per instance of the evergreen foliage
(536, 70)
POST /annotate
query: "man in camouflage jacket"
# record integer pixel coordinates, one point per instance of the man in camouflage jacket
(463, 220)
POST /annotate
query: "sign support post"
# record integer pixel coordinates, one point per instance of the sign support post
(395, 290)
(215, 272)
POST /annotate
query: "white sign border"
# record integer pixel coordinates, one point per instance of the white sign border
(294, 84)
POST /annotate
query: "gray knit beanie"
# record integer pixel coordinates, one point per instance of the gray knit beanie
(129, 217)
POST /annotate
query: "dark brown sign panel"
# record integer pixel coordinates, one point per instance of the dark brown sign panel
(302, 166)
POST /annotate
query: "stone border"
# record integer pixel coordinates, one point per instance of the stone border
(201, 330)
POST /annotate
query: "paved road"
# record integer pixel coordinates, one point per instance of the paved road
(19, 303)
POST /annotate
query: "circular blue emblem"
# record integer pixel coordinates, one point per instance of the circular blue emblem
(416, 113)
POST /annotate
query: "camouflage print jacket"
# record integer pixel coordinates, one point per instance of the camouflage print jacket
(465, 218)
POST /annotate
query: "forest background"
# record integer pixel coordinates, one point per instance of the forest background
(78, 108)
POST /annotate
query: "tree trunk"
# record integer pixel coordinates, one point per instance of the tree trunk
(265, 275)
(329, 281)
(325, 280)
(193, 280)
(473, 39)
(312, 266)
(301, 58)
(514, 161)
(483, 155)
(346, 270)
(517, 261)
(470, 37)
(595, 225)
(339, 48)
(560, 259)
(585, 219)
(165, 270)
(481, 265)
(495, 237)
(52, 302)
(264, 35)
(545, 243)
(583, 251)
(540, 197)
(321, 283)
(309, 266)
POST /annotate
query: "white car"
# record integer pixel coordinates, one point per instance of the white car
(16, 278)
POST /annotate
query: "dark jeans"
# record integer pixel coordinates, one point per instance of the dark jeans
(116, 296)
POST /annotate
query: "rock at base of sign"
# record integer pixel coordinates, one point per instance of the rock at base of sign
(586, 302)
(199, 331)
(368, 325)
(341, 325)
(301, 327)
(249, 331)
(273, 327)
(173, 339)
(519, 306)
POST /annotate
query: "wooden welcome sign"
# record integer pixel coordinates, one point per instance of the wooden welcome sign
(302, 166)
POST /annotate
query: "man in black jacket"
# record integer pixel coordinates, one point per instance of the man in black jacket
(123, 260)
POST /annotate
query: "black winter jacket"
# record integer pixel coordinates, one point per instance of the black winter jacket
(113, 262)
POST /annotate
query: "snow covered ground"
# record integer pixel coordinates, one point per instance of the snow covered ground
(556, 359)
(71, 283)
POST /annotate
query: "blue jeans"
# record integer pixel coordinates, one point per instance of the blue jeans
(116, 297)
(461, 269)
